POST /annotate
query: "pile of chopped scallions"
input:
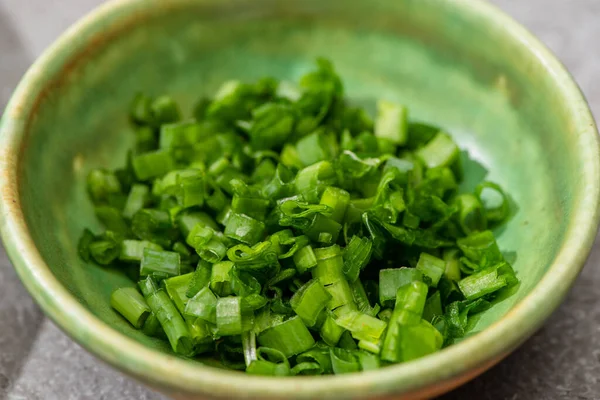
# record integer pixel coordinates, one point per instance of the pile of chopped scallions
(284, 232)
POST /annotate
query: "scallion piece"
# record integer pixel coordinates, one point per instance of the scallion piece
(159, 263)
(203, 305)
(471, 216)
(356, 257)
(441, 151)
(494, 200)
(485, 281)
(362, 326)
(171, 321)
(391, 122)
(290, 337)
(133, 250)
(432, 268)
(131, 305)
(305, 259)
(244, 229)
(153, 164)
(200, 279)
(337, 199)
(106, 249)
(330, 331)
(390, 280)
(329, 265)
(312, 180)
(220, 279)
(309, 301)
(137, 199)
(229, 316)
(343, 361)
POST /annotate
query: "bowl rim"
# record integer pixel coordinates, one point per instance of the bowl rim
(430, 374)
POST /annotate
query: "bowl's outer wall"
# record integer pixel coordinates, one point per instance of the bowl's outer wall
(488, 90)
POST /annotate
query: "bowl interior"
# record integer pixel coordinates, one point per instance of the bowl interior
(486, 89)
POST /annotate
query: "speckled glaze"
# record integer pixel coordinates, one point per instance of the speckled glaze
(461, 64)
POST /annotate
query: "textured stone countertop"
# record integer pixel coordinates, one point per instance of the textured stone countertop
(562, 361)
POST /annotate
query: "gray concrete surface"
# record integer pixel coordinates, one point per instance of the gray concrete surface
(562, 361)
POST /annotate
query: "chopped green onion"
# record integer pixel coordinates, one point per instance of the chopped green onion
(494, 200)
(312, 180)
(452, 259)
(83, 246)
(441, 151)
(307, 368)
(317, 146)
(260, 255)
(171, 321)
(137, 199)
(229, 316)
(433, 307)
(160, 264)
(244, 229)
(472, 217)
(432, 268)
(176, 288)
(347, 342)
(188, 220)
(290, 337)
(368, 362)
(131, 305)
(418, 340)
(153, 225)
(321, 224)
(341, 295)
(390, 280)
(272, 125)
(199, 237)
(362, 326)
(329, 265)
(105, 248)
(485, 281)
(133, 250)
(200, 279)
(243, 283)
(317, 355)
(481, 248)
(343, 361)
(102, 185)
(356, 257)
(309, 301)
(305, 259)
(111, 218)
(289, 202)
(410, 302)
(213, 251)
(220, 279)
(164, 110)
(267, 368)
(153, 164)
(152, 327)
(361, 299)
(391, 122)
(203, 305)
(371, 347)
(337, 199)
(330, 331)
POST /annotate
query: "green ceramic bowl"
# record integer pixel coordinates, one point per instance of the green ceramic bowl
(461, 64)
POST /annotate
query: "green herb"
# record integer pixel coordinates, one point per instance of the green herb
(285, 232)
